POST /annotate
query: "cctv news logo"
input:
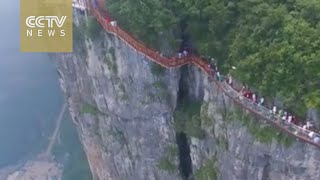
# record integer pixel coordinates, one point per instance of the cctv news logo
(46, 26)
(50, 26)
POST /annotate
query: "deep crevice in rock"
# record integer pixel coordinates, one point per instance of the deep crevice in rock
(185, 162)
(266, 168)
(185, 165)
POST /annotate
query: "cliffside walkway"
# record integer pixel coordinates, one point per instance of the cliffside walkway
(175, 62)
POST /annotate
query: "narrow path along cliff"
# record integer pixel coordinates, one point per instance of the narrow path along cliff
(306, 135)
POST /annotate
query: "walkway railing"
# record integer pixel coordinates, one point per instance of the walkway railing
(261, 111)
(138, 46)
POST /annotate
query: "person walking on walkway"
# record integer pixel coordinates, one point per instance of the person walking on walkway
(229, 80)
(241, 92)
(274, 110)
(309, 125)
(290, 118)
(311, 134)
(248, 94)
(284, 117)
(179, 55)
(261, 101)
(185, 52)
(254, 98)
(221, 78)
(218, 75)
(113, 23)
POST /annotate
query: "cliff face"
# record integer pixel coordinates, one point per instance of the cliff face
(123, 107)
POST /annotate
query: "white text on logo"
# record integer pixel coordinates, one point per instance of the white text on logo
(33, 21)
(45, 22)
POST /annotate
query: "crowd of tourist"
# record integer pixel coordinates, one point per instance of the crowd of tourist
(305, 129)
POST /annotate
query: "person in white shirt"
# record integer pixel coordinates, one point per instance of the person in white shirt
(309, 125)
(218, 75)
(254, 98)
(290, 118)
(229, 79)
(304, 127)
(113, 23)
(311, 134)
(274, 110)
(261, 101)
(284, 117)
(185, 53)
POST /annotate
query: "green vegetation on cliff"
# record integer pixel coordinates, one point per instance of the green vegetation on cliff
(187, 119)
(93, 28)
(207, 171)
(168, 162)
(275, 45)
(262, 133)
(90, 109)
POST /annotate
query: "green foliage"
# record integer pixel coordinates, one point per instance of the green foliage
(159, 85)
(123, 92)
(187, 119)
(309, 10)
(93, 28)
(162, 93)
(222, 141)
(156, 69)
(79, 40)
(193, 127)
(205, 119)
(166, 163)
(119, 136)
(90, 109)
(148, 20)
(275, 45)
(173, 151)
(208, 171)
(208, 22)
(78, 33)
(110, 60)
(264, 134)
